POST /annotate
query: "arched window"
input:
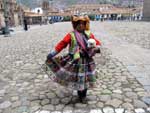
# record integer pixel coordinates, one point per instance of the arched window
(38, 10)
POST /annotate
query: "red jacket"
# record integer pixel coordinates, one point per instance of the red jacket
(67, 40)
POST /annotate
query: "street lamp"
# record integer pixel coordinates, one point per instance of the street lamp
(6, 29)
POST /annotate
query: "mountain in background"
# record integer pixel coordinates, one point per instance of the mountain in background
(65, 3)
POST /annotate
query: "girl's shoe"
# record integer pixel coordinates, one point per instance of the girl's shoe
(83, 100)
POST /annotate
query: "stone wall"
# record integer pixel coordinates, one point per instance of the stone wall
(13, 13)
(16, 19)
(2, 23)
(146, 10)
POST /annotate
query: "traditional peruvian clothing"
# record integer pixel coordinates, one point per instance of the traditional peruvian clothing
(75, 69)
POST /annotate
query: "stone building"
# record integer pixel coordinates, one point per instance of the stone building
(105, 12)
(45, 7)
(1, 14)
(146, 10)
(32, 17)
(12, 9)
(13, 13)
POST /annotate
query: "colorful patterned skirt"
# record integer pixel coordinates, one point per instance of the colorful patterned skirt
(77, 74)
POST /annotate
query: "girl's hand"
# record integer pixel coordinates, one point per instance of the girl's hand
(51, 55)
(97, 50)
(93, 51)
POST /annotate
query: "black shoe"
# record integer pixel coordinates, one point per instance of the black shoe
(82, 95)
(83, 100)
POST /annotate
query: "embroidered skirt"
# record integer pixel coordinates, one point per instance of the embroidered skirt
(78, 74)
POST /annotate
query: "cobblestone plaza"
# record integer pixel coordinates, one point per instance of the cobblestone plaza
(123, 71)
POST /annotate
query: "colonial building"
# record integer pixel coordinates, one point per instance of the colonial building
(105, 11)
(13, 13)
(99, 12)
(146, 10)
(37, 15)
(2, 23)
(12, 9)
(45, 7)
(38, 10)
(32, 18)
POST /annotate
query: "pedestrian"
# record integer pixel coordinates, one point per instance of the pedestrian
(25, 25)
(76, 69)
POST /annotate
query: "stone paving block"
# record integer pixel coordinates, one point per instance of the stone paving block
(5, 104)
(108, 110)
(67, 111)
(43, 111)
(147, 88)
(56, 112)
(119, 110)
(95, 111)
(144, 81)
(139, 110)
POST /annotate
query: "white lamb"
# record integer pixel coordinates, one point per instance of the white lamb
(91, 43)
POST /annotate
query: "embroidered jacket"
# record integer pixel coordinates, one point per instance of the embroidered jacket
(68, 39)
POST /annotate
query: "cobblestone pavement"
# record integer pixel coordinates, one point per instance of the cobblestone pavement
(132, 39)
(25, 87)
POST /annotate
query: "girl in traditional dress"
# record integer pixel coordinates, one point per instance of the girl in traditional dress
(76, 69)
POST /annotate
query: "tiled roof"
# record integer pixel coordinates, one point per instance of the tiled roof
(94, 9)
(101, 9)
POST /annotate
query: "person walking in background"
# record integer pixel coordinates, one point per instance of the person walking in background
(25, 24)
(76, 69)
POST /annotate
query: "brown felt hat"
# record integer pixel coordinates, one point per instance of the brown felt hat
(76, 18)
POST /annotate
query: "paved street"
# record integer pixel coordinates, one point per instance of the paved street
(123, 71)
(133, 43)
